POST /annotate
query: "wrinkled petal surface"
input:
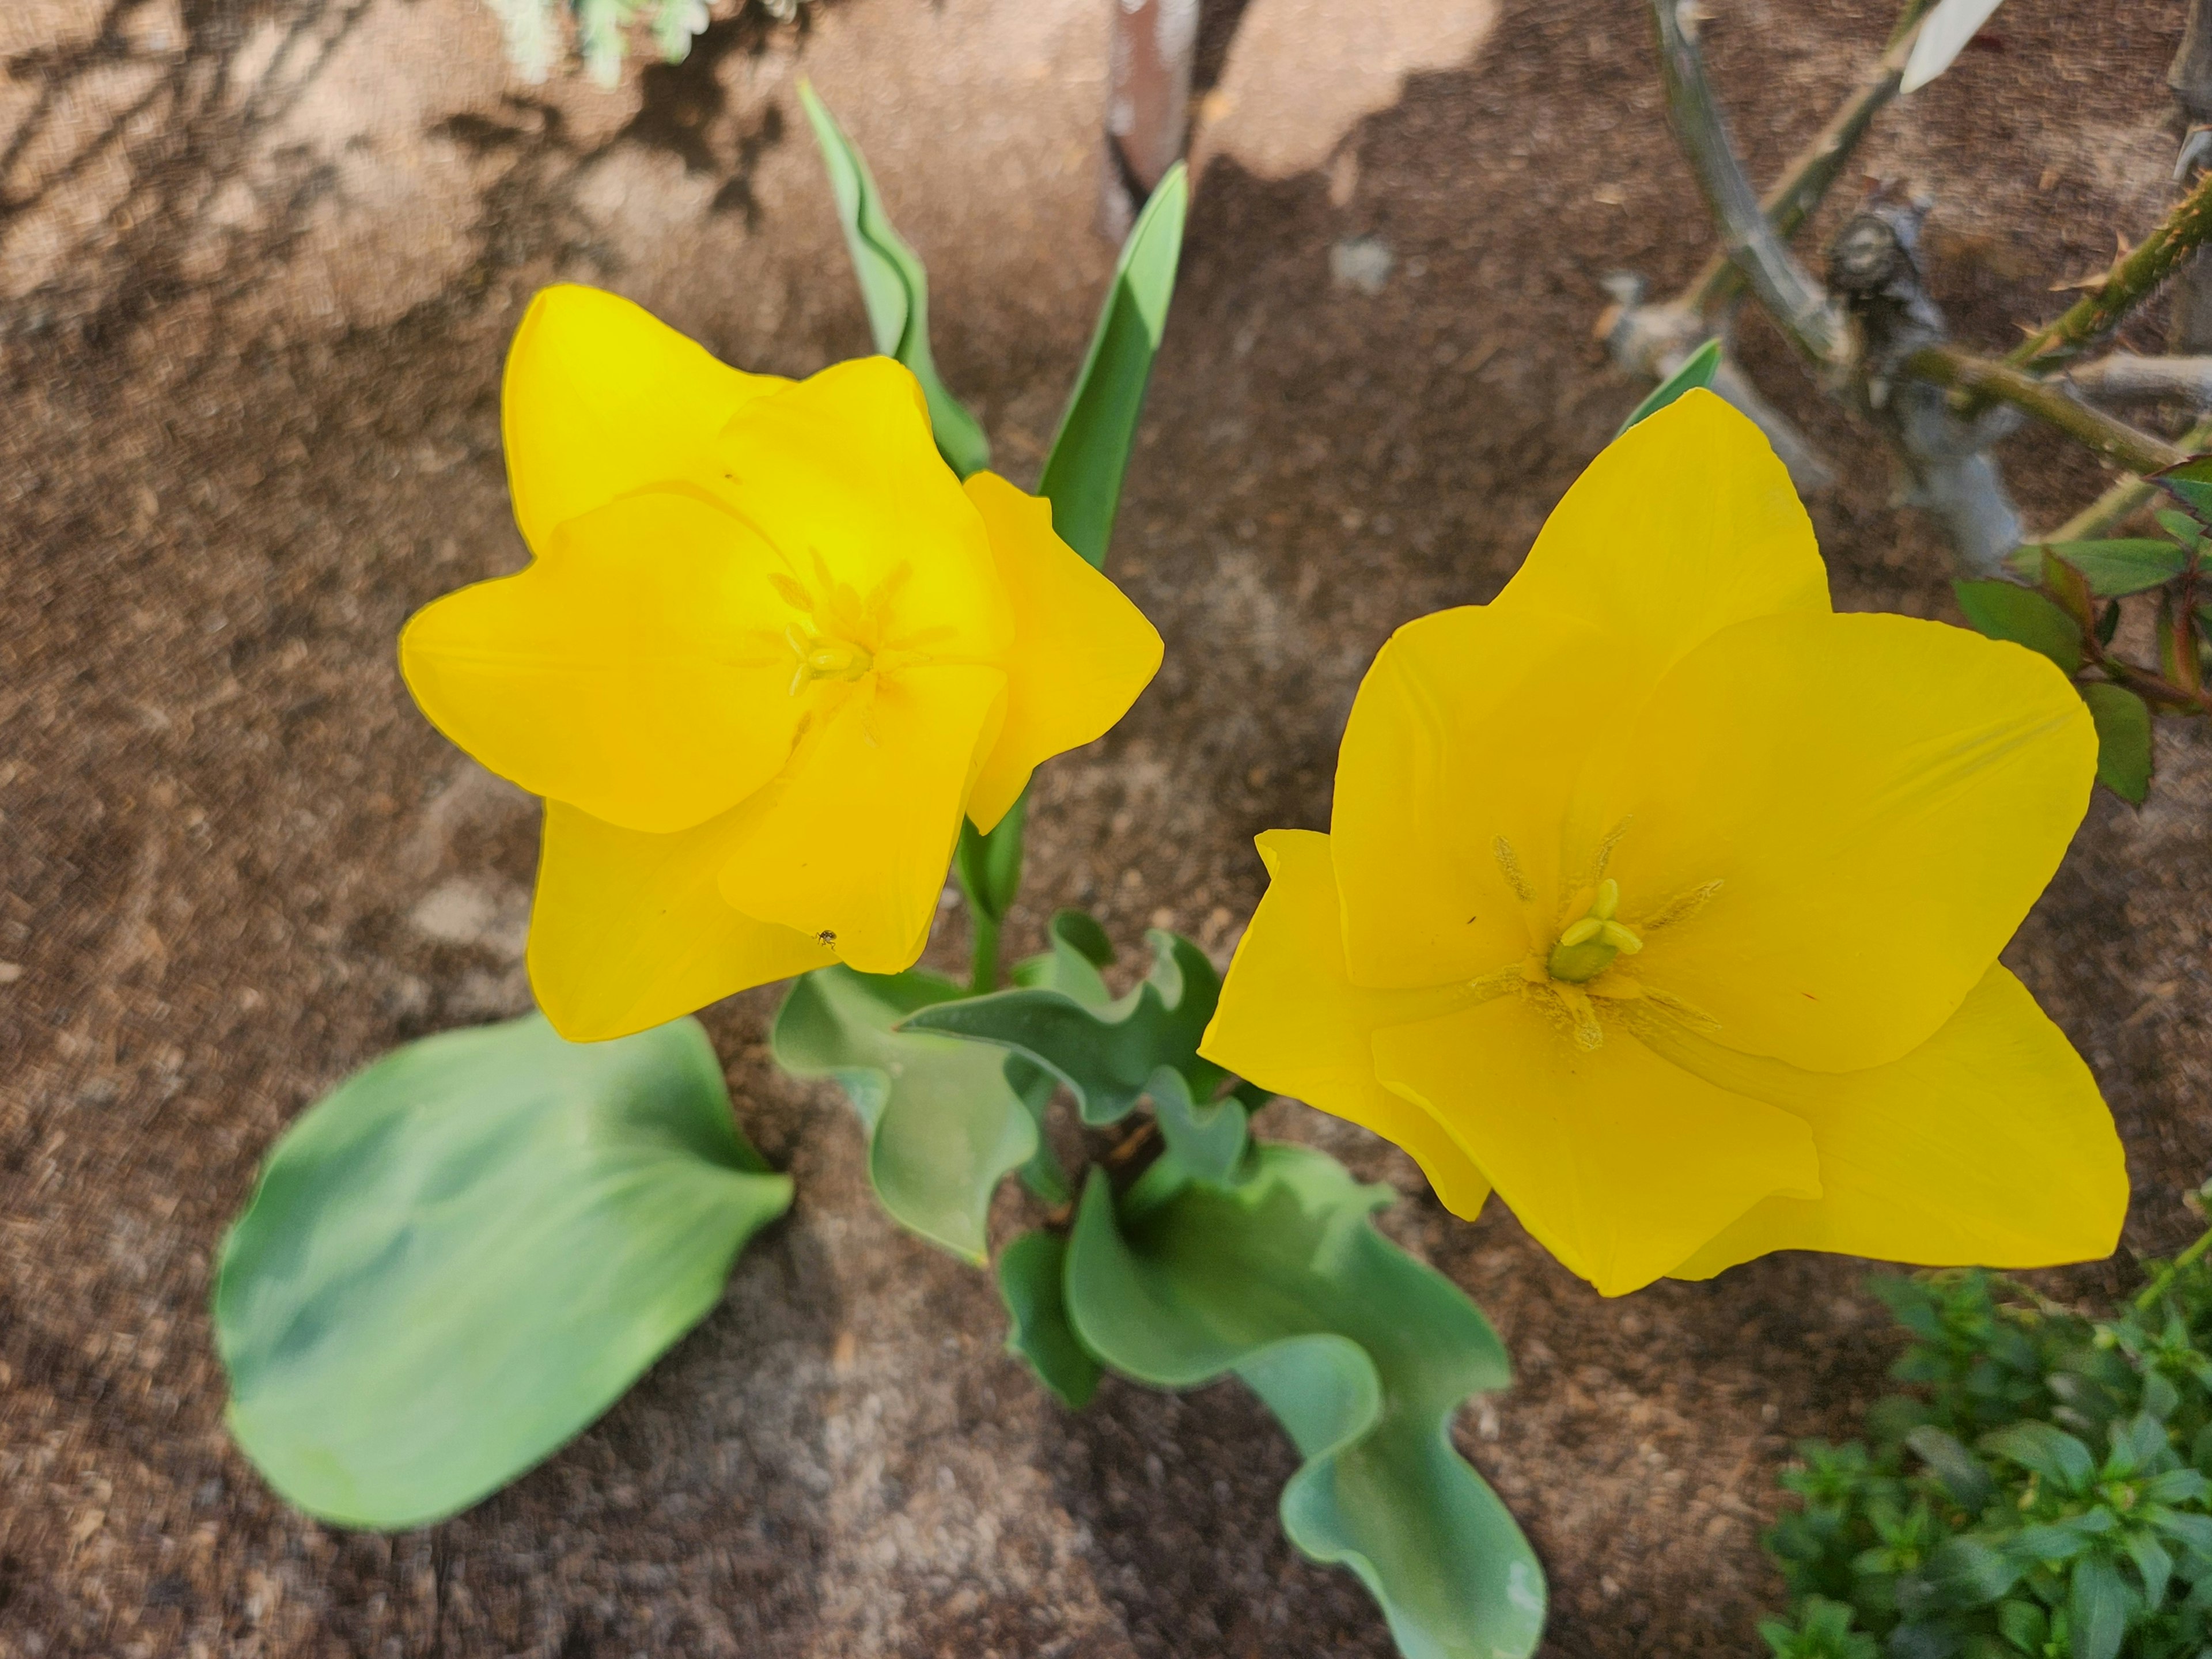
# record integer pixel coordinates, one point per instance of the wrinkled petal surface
(1469, 726)
(1621, 1163)
(841, 466)
(1290, 1020)
(629, 930)
(1081, 652)
(600, 398)
(637, 670)
(1881, 799)
(1684, 525)
(1988, 1143)
(855, 838)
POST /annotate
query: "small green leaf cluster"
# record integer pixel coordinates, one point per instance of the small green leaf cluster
(536, 30)
(2070, 611)
(2042, 1490)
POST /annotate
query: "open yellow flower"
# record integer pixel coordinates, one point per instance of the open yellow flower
(769, 652)
(1668, 901)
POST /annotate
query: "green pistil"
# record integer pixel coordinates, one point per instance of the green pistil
(1587, 946)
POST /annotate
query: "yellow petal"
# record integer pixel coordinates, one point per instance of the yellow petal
(601, 398)
(1081, 652)
(1881, 799)
(842, 467)
(1291, 1021)
(1469, 727)
(1684, 524)
(628, 930)
(1987, 1145)
(855, 838)
(637, 671)
(1621, 1163)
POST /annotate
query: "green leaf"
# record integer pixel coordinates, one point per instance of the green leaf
(1081, 475)
(2024, 1625)
(1106, 1055)
(463, 1255)
(1966, 1480)
(2097, 1609)
(894, 287)
(2124, 743)
(1363, 1353)
(1206, 1142)
(2114, 568)
(2179, 526)
(989, 867)
(2006, 610)
(1967, 1572)
(1031, 1277)
(1079, 949)
(2191, 482)
(2051, 1452)
(1698, 370)
(945, 1124)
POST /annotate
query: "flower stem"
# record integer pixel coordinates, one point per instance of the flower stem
(983, 971)
(2147, 1297)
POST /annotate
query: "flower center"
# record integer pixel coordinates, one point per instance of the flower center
(1587, 945)
(826, 656)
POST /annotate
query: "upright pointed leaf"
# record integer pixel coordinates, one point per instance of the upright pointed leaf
(1106, 1055)
(1082, 474)
(1363, 1354)
(944, 1124)
(894, 287)
(457, 1260)
(1697, 370)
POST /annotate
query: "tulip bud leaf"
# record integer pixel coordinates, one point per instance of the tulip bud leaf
(894, 287)
(1697, 370)
(1031, 1272)
(1106, 1053)
(457, 1260)
(1081, 475)
(2123, 740)
(1364, 1356)
(944, 1122)
(2006, 610)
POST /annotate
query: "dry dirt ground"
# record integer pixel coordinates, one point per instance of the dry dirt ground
(257, 261)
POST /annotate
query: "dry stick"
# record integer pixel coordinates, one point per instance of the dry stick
(2123, 375)
(2116, 440)
(1791, 296)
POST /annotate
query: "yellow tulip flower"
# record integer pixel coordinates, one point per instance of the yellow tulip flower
(767, 653)
(1668, 901)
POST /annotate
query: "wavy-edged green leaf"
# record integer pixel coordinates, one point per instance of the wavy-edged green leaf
(1081, 475)
(1079, 949)
(1943, 35)
(1106, 1055)
(894, 287)
(2123, 740)
(465, 1253)
(2006, 610)
(1206, 1141)
(2113, 568)
(1697, 370)
(1032, 1278)
(943, 1123)
(1362, 1352)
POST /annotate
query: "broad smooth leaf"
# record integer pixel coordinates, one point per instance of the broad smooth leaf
(1943, 35)
(2097, 1610)
(1081, 475)
(2051, 1452)
(1106, 1055)
(1031, 1275)
(2114, 568)
(1698, 370)
(1966, 1480)
(894, 287)
(1364, 1355)
(943, 1123)
(2006, 610)
(462, 1255)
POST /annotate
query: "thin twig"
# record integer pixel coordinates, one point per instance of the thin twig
(2116, 440)
(2129, 495)
(2131, 279)
(2124, 375)
(1791, 296)
(1813, 171)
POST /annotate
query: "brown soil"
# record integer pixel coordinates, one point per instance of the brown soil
(260, 257)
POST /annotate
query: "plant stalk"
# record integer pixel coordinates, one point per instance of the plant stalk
(2147, 1298)
(2116, 440)
(2131, 279)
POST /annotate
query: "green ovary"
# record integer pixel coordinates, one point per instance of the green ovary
(1587, 945)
